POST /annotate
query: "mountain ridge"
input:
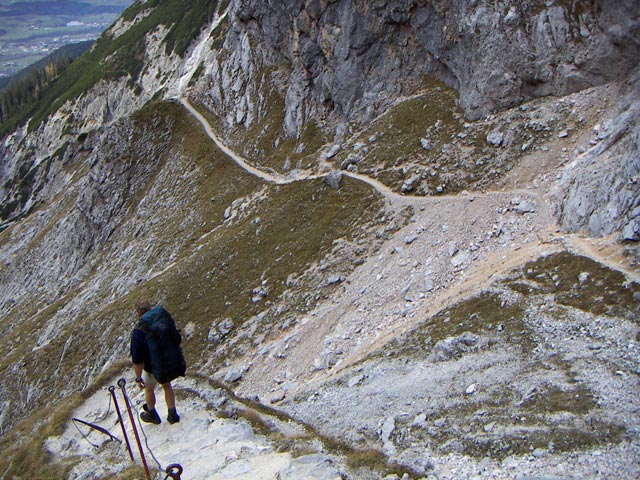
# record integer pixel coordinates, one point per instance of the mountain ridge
(325, 248)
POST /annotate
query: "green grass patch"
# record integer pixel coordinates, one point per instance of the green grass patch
(602, 291)
(481, 314)
(403, 125)
(577, 399)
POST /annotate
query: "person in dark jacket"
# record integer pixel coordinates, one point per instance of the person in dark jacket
(141, 359)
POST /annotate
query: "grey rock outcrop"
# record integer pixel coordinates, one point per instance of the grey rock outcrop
(350, 59)
(603, 184)
(333, 179)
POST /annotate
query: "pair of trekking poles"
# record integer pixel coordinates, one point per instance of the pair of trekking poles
(174, 471)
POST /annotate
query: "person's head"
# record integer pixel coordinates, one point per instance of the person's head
(142, 306)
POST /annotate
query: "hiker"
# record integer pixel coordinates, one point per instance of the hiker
(157, 358)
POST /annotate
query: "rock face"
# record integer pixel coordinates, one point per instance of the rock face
(312, 290)
(348, 60)
(603, 183)
(351, 58)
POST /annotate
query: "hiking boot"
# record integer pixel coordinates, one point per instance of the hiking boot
(150, 416)
(173, 416)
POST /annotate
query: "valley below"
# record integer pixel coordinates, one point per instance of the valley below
(381, 269)
(30, 31)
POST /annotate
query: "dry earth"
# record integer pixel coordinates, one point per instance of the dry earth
(372, 305)
(447, 249)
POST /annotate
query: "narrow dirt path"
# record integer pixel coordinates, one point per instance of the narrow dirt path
(381, 188)
(608, 253)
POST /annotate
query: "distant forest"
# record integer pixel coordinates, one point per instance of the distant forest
(56, 7)
(25, 88)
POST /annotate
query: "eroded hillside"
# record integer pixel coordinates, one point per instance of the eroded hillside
(370, 281)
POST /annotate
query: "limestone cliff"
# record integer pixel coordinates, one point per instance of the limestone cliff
(353, 58)
(340, 201)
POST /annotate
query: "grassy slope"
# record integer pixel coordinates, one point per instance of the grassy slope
(213, 276)
(112, 58)
(215, 272)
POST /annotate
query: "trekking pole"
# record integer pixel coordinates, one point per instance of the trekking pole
(121, 383)
(175, 475)
(112, 389)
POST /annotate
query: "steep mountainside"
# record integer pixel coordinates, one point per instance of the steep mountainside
(400, 238)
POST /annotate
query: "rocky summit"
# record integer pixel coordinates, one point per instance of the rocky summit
(400, 240)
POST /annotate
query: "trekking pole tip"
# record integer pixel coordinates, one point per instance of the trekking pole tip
(122, 382)
(112, 389)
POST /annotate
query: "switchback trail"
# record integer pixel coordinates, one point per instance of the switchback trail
(609, 256)
(298, 175)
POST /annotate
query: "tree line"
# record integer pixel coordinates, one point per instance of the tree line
(27, 89)
(21, 93)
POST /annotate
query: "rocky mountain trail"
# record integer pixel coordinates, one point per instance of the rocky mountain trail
(212, 441)
(516, 201)
(449, 249)
(390, 294)
(400, 245)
